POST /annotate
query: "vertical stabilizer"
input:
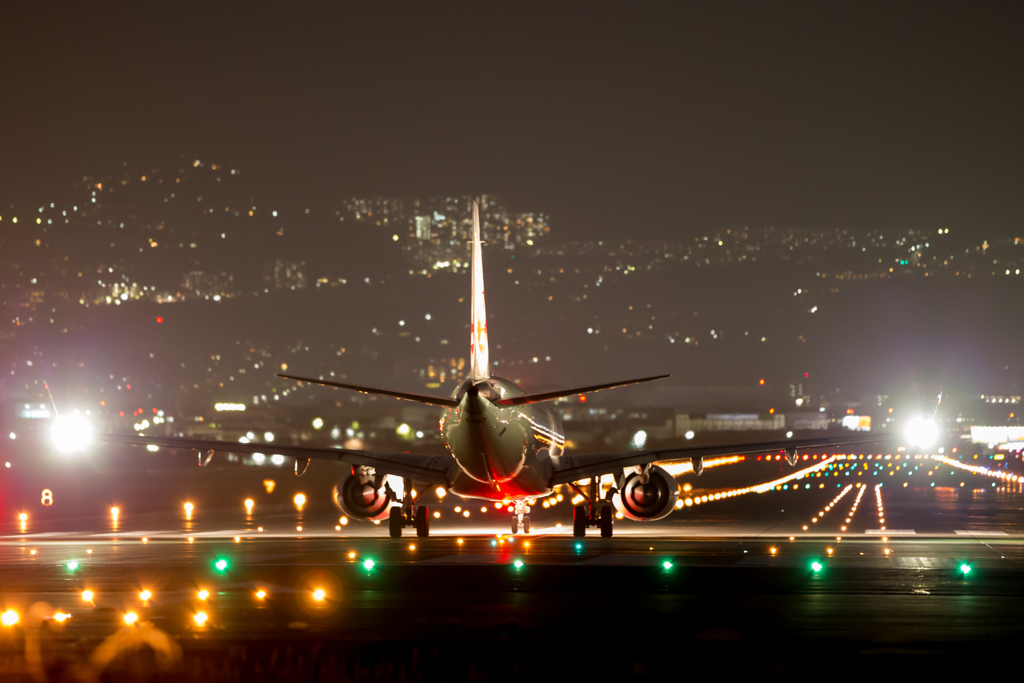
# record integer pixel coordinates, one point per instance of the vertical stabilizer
(480, 367)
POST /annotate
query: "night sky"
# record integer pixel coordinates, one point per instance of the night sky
(661, 119)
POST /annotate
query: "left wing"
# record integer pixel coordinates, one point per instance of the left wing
(569, 468)
(432, 469)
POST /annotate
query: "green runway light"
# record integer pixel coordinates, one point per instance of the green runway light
(816, 566)
(965, 569)
(368, 563)
(518, 564)
(494, 543)
(72, 565)
(579, 546)
(221, 565)
(666, 564)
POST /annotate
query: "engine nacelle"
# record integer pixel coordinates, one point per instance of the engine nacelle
(646, 502)
(791, 456)
(359, 497)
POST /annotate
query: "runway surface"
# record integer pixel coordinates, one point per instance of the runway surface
(730, 585)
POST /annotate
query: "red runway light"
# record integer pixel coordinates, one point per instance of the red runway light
(761, 382)
(159, 319)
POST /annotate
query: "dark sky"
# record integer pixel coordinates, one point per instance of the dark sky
(650, 119)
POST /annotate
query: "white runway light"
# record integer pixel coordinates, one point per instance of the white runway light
(922, 433)
(71, 433)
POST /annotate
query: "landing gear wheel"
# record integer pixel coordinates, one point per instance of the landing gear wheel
(515, 524)
(422, 521)
(606, 522)
(396, 521)
(526, 525)
(579, 521)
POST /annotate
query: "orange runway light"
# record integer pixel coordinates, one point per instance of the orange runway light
(203, 594)
(145, 595)
(130, 618)
(261, 594)
(319, 594)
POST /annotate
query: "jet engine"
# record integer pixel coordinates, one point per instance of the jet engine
(361, 494)
(646, 502)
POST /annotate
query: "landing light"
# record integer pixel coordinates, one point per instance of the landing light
(921, 432)
(71, 433)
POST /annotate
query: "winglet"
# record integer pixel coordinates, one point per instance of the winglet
(479, 364)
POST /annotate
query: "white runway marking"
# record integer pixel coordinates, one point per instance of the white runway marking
(890, 532)
(961, 532)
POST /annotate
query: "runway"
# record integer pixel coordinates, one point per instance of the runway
(736, 584)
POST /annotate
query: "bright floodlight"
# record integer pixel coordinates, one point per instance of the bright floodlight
(922, 433)
(639, 440)
(71, 433)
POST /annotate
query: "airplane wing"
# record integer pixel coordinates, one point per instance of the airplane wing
(570, 468)
(432, 469)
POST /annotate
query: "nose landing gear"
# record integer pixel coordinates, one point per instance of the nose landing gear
(519, 517)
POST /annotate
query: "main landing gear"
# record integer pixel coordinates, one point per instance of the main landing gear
(407, 515)
(593, 512)
(520, 520)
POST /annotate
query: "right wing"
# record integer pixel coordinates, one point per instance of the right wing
(406, 395)
(570, 468)
(432, 469)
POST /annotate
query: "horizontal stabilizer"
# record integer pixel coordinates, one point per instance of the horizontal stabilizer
(551, 395)
(419, 398)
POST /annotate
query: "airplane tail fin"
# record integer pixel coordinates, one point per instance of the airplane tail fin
(479, 364)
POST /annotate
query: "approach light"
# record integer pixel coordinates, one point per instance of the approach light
(71, 433)
(921, 432)
(221, 565)
(965, 569)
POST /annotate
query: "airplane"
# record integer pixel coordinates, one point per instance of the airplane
(502, 444)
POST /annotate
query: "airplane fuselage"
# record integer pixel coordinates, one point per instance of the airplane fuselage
(503, 452)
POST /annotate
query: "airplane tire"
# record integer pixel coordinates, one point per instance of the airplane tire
(579, 521)
(526, 525)
(423, 521)
(606, 521)
(395, 521)
(515, 524)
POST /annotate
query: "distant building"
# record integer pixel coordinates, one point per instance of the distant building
(423, 225)
(288, 274)
(200, 284)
